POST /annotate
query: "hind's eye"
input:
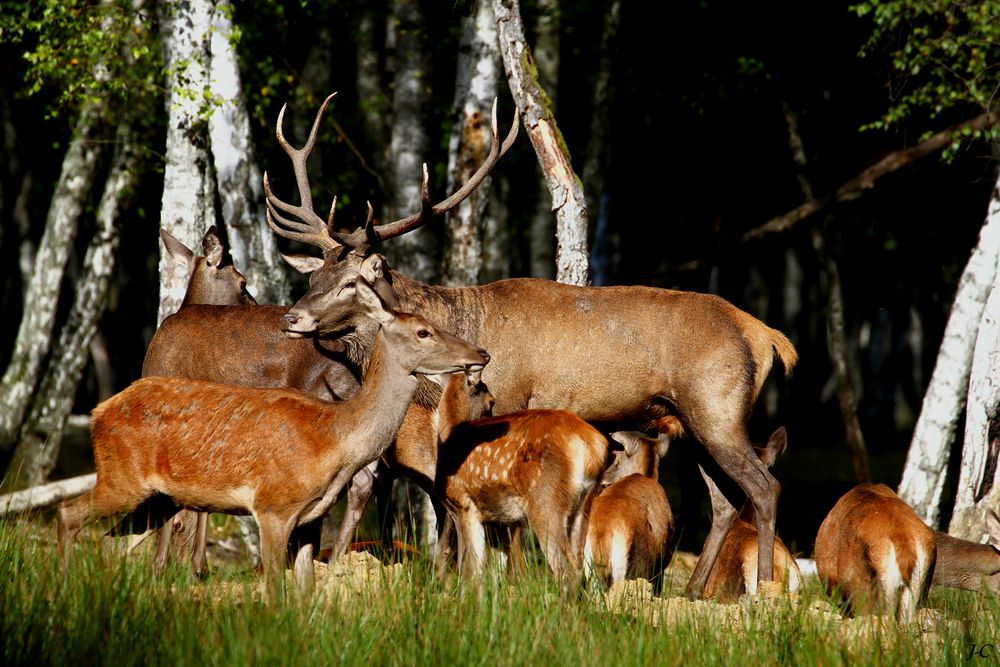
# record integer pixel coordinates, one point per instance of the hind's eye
(423, 333)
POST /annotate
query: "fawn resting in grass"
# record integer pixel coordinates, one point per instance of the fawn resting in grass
(876, 551)
(735, 571)
(537, 466)
(630, 530)
(278, 454)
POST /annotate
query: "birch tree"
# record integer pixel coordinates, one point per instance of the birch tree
(413, 253)
(41, 435)
(564, 187)
(926, 465)
(541, 231)
(476, 84)
(34, 336)
(251, 243)
(187, 205)
(978, 489)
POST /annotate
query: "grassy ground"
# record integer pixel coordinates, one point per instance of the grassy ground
(110, 610)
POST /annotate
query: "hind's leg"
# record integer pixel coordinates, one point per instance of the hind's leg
(75, 513)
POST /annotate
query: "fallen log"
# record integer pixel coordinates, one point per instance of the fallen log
(46, 495)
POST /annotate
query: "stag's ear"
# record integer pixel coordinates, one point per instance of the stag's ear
(373, 304)
(303, 263)
(212, 247)
(177, 250)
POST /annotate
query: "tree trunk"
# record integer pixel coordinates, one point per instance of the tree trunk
(251, 243)
(187, 206)
(414, 252)
(541, 232)
(563, 184)
(41, 435)
(978, 490)
(476, 85)
(46, 495)
(927, 460)
(369, 82)
(596, 161)
(836, 328)
(34, 337)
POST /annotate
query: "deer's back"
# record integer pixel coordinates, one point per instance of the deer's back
(244, 346)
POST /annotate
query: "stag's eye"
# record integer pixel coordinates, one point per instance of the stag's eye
(423, 333)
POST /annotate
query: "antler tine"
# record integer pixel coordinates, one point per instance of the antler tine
(311, 229)
(399, 227)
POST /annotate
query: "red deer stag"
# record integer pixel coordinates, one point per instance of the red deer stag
(535, 466)
(876, 551)
(279, 454)
(244, 345)
(735, 570)
(969, 565)
(630, 530)
(561, 346)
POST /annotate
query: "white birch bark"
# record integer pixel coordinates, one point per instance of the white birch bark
(541, 231)
(476, 85)
(251, 243)
(46, 495)
(412, 253)
(978, 490)
(564, 186)
(34, 336)
(41, 435)
(187, 205)
(927, 460)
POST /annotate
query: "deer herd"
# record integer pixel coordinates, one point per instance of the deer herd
(495, 400)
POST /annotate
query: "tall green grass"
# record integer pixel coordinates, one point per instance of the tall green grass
(111, 610)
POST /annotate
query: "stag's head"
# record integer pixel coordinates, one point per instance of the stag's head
(329, 305)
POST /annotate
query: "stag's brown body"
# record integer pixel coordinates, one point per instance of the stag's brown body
(534, 466)
(875, 549)
(630, 530)
(279, 454)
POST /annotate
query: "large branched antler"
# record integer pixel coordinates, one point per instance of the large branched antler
(309, 228)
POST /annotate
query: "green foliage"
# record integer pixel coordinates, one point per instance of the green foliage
(943, 56)
(98, 52)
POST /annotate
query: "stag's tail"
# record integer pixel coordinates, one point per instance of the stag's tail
(766, 343)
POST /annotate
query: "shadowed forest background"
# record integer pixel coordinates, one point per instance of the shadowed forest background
(698, 151)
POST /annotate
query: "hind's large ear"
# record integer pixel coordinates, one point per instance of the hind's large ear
(178, 251)
(373, 304)
(775, 447)
(211, 245)
(375, 270)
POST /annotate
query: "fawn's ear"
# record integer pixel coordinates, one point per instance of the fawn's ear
(373, 304)
(630, 440)
(178, 251)
(774, 448)
(303, 263)
(211, 246)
